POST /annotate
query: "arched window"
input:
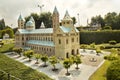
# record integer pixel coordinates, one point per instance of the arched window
(77, 51)
(73, 52)
(67, 55)
(59, 41)
(72, 39)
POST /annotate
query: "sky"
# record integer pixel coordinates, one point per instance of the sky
(11, 9)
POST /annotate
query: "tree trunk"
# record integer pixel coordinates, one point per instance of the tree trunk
(77, 66)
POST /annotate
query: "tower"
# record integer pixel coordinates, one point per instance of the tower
(21, 22)
(67, 21)
(55, 20)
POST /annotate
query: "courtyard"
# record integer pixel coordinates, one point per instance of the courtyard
(90, 63)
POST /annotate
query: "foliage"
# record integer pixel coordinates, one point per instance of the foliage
(113, 55)
(112, 42)
(37, 56)
(53, 60)
(98, 50)
(77, 61)
(18, 50)
(67, 63)
(7, 30)
(107, 28)
(45, 17)
(92, 46)
(6, 48)
(19, 70)
(101, 72)
(113, 71)
(97, 20)
(74, 20)
(2, 24)
(98, 37)
(44, 58)
(29, 54)
(110, 19)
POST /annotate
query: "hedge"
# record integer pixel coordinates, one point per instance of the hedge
(98, 37)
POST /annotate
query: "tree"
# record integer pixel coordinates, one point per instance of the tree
(113, 71)
(18, 51)
(74, 20)
(111, 20)
(37, 56)
(77, 61)
(53, 60)
(98, 51)
(2, 24)
(45, 17)
(67, 63)
(83, 46)
(92, 45)
(107, 28)
(44, 58)
(97, 20)
(29, 54)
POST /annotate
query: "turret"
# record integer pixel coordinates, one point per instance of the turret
(55, 20)
(21, 22)
(42, 25)
(67, 21)
(30, 25)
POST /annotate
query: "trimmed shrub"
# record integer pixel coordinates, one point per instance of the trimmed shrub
(98, 37)
(113, 71)
(112, 42)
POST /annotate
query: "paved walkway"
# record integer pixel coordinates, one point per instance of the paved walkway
(83, 73)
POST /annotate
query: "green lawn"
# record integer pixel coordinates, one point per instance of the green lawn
(6, 48)
(101, 72)
(18, 69)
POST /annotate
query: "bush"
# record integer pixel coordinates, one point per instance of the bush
(110, 58)
(98, 37)
(1, 43)
(113, 71)
(112, 42)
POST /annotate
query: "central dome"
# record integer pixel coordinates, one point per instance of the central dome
(29, 24)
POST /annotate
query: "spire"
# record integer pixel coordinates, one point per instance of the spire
(42, 25)
(55, 10)
(31, 19)
(67, 16)
(20, 17)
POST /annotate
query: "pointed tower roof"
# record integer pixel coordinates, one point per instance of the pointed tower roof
(32, 19)
(67, 16)
(55, 10)
(42, 25)
(20, 17)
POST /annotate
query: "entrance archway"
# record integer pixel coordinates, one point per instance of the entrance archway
(77, 51)
(67, 55)
(73, 52)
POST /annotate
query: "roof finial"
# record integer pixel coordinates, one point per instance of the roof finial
(42, 25)
(55, 10)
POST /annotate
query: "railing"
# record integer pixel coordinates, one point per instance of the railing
(6, 76)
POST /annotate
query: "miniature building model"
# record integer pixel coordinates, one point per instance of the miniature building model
(61, 41)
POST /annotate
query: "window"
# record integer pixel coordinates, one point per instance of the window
(72, 39)
(22, 38)
(66, 41)
(77, 39)
(59, 41)
(67, 22)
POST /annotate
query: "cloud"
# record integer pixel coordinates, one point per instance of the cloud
(10, 10)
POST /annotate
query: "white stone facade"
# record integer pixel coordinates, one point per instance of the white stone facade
(61, 41)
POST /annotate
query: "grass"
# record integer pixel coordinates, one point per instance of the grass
(100, 74)
(18, 69)
(6, 48)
